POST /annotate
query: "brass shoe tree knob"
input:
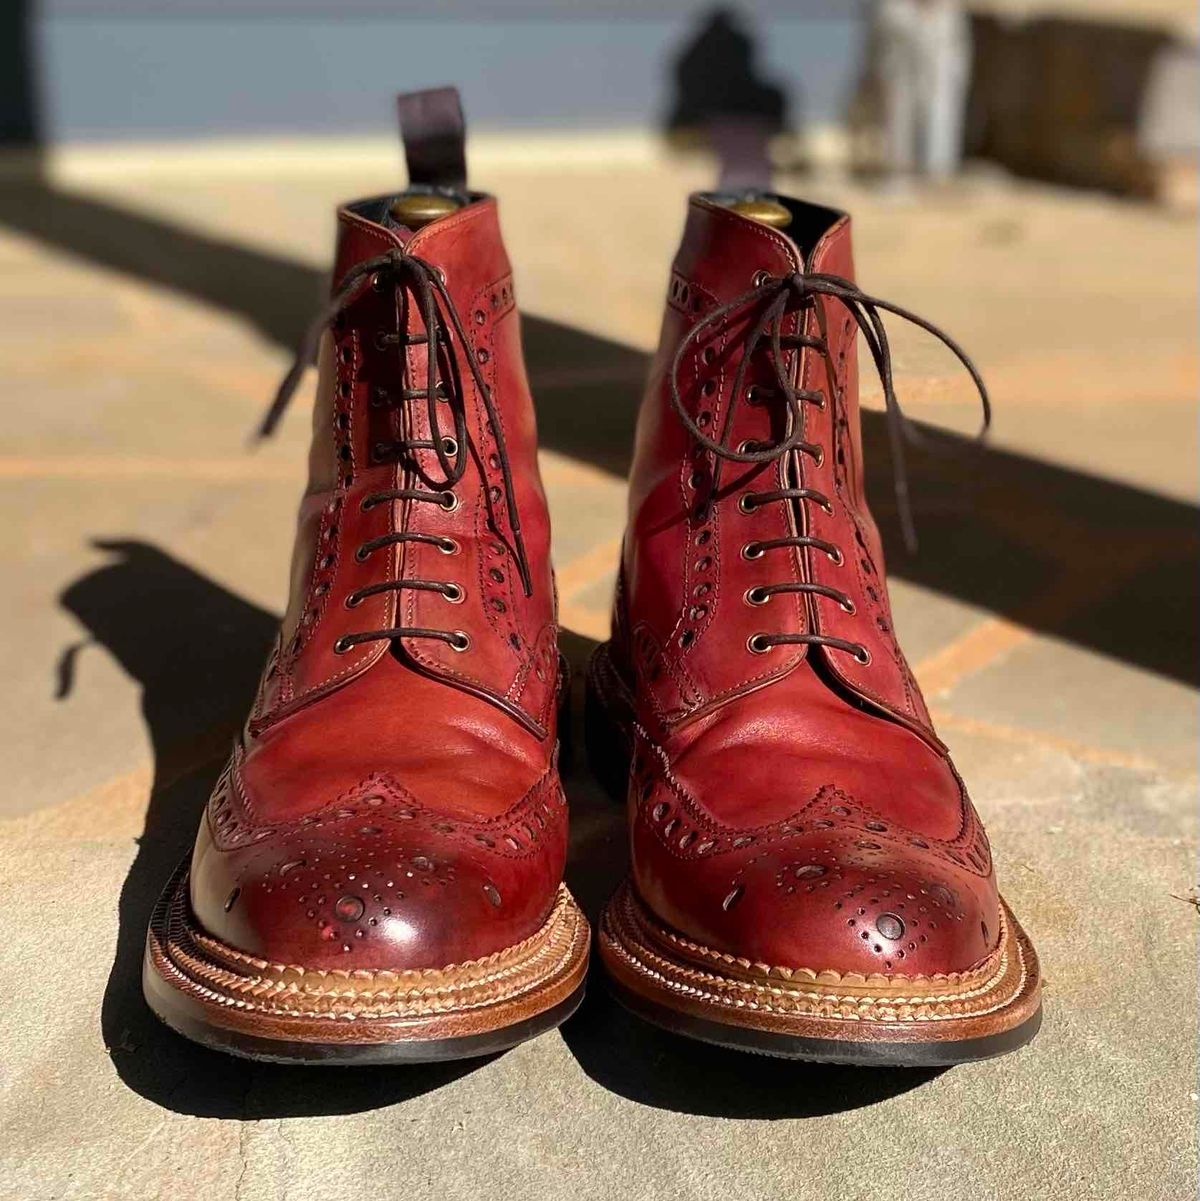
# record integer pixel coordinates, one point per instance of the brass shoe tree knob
(414, 209)
(764, 209)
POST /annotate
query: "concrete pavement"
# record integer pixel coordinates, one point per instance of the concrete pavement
(144, 319)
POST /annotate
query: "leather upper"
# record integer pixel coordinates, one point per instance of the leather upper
(791, 806)
(395, 803)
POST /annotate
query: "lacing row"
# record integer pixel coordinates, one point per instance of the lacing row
(774, 297)
(410, 274)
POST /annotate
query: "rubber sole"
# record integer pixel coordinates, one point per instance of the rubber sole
(823, 1050)
(792, 1011)
(222, 998)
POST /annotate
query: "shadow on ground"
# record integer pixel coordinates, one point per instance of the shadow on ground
(196, 649)
(653, 1067)
(1110, 567)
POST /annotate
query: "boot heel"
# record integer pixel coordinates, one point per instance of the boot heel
(606, 726)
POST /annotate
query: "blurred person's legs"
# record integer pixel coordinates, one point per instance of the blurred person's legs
(923, 51)
(945, 63)
(896, 39)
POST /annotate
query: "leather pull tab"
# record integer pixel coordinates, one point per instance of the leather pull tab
(434, 135)
(741, 147)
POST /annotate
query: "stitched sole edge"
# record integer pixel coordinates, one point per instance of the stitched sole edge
(222, 998)
(804, 1019)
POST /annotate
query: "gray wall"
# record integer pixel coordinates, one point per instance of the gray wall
(135, 68)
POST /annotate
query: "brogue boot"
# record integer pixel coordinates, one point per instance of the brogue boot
(378, 874)
(809, 877)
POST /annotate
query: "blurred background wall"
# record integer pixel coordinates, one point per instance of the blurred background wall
(1098, 93)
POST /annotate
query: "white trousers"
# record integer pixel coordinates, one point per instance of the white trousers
(924, 68)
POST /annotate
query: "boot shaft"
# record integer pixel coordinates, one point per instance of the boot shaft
(395, 534)
(721, 553)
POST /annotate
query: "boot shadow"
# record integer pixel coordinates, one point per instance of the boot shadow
(196, 649)
(639, 1061)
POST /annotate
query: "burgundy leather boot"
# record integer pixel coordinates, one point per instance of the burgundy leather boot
(378, 874)
(809, 876)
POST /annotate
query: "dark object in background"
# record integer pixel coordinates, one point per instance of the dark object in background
(20, 124)
(1063, 100)
(717, 80)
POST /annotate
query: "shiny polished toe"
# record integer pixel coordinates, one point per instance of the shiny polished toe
(395, 886)
(830, 888)
(772, 840)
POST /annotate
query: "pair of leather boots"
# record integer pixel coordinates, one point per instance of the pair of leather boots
(378, 876)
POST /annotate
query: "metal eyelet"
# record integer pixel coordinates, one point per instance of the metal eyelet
(362, 553)
(454, 593)
(758, 644)
(748, 445)
(752, 550)
(448, 501)
(377, 281)
(836, 557)
(448, 546)
(368, 503)
(461, 641)
(449, 447)
(862, 655)
(818, 457)
(341, 646)
(354, 600)
(760, 277)
(747, 504)
(758, 595)
(848, 606)
(826, 504)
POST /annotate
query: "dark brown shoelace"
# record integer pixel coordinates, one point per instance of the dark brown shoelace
(773, 298)
(442, 325)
